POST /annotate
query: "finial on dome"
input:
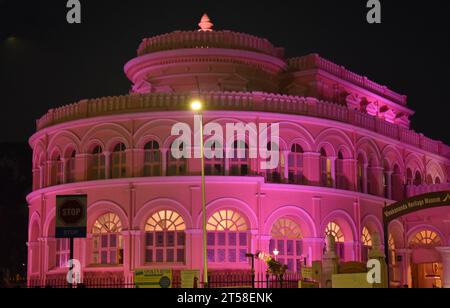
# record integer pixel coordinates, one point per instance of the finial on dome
(205, 24)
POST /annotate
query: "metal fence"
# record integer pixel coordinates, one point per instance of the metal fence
(238, 280)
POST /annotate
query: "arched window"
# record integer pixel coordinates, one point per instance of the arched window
(152, 159)
(107, 240)
(228, 239)
(335, 230)
(361, 170)
(417, 179)
(62, 252)
(97, 164)
(287, 239)
(119, 161)
(296, 165)
(326, 179)
(240, 164)
(366, 240)
(71, 171)
(340, 177)
(426, 238)
(273, 175)
(214, 165)
(165, 238)
(176, 167)
(437, 181)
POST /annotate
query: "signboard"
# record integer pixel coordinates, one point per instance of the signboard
(308, 285)
(153, 279)
(415, 204)
(190, 279)
(351, 281)
(71, 216)
(307, 273)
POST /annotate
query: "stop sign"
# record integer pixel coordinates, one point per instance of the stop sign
(71, 216)
(71, 212)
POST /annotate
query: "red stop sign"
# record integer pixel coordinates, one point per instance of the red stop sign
(71, 212)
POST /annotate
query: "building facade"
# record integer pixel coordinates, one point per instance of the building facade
(346, 150)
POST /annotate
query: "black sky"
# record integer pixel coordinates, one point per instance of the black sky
(51, 63)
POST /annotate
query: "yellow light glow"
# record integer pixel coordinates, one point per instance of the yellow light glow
(196, 105)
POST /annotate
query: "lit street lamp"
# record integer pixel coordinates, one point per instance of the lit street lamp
(276, 252)
(196, 106)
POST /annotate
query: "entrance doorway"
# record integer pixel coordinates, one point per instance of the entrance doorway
(426, 275)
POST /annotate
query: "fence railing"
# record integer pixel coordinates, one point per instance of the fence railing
(239, 280)
(240, 101)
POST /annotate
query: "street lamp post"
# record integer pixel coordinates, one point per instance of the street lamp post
(196, 106)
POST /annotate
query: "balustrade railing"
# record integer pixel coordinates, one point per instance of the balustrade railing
(240, 101)
(214, 39)
(314, 61)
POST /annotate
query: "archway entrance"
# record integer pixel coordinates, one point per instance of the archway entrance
(421, 261)
(426, 275)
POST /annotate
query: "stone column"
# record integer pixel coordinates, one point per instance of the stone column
(41, 177)
(127, 253)
(405, 266)
(36, 179)
(129, 165)
(333, 171)
(64, 170)
(286, 166)
(194, 249)
(164, 161)
(389, 184)
(445, 254)
(365, 176)
(49, 173)
(107, 164)
(138, 240)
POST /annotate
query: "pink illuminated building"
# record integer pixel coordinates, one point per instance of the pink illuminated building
(346, 150)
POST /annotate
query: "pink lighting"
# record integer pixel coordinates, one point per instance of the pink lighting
(345, 147)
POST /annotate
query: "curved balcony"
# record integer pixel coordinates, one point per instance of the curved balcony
(213, 39)
(240, 101)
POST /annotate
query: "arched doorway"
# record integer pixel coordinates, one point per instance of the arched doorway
(426, 266)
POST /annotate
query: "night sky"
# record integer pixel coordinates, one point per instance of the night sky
(46, 63)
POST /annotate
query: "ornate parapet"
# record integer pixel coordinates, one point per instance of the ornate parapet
(239, 101)
(314, 61)
(208, 39)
